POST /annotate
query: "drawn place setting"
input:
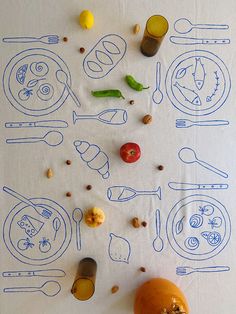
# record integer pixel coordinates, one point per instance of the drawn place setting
(37, 82)
(37, 231)
(198, 227)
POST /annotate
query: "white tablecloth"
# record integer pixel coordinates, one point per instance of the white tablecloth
(119, 249)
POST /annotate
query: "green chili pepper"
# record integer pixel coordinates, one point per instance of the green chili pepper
(108, 93)
(134, 84)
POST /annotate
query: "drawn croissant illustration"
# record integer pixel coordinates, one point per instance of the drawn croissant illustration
(94, 157)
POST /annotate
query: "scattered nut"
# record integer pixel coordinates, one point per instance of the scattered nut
(68, 162)
(142, 269)
(82, 50)
(135, 222)
(68, 194)
(114, 289)
(160, 167)
(49, 173)
(147, 119)
(144, 223)
(131, 102)
(89, 187)
(136, 28)
(65, 39)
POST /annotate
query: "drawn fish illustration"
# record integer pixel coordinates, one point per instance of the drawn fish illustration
(199, 74)
(189, 94)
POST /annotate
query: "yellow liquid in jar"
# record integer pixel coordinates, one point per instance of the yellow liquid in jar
(83, 289)
(157, 26)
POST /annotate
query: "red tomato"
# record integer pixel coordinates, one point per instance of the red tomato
(130, 152)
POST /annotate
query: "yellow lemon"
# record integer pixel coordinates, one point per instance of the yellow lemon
(86, 19)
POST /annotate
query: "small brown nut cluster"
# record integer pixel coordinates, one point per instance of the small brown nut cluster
(147, 119)
(49, 173)
(136, 29)
(135, 222)
(114, 289)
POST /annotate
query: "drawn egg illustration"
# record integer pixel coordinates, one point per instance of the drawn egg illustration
(191, 243)
(39, 68)
(119, 249)
(94, 157)
(196, 221)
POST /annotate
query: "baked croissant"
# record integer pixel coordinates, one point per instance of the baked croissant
(94, 157)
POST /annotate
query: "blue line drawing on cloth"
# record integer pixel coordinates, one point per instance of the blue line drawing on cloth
(157, 95)
(50, 288)
(197, 243)
(25, 244)
(179, 225)
(42, 210)
(44, 245)
(215, 222)
(179, 40)
(95, 158)
(188, 156)
(108, 116)
(56, 224)
(196, 221)
(63, 78)
(119, 249)
(30, 225)
(184, 26)
(24, 69)
(180, 186)
(77, 216)
(213, 238)
(187, 270)
(214, 92)
(206, 210)
(199, 73)
(42, 249)
(38, 124)
(51, 138)
(121, 193)
(45, 92)
(104, 56)
(46, 39)
(191, 243)
(189, 95)
(158, 243)
(186, 123)
(34, 273)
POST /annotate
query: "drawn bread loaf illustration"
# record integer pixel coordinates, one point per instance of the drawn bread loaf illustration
(104, 56)
(94, 157)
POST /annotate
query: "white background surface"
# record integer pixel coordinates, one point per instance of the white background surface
(23, 166)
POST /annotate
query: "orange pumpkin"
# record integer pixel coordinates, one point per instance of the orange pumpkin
(158, 296)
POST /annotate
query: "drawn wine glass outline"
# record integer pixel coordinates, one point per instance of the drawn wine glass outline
(51, 138)
(35, 256)
(121, 193)
(176, 240)
(158, 243)
(104, 56)
(30, 56)
(188, 156)
(108, 116)
(50, 288)
(217, 75)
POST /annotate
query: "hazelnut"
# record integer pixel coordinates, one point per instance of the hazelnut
(65, 39)
(144, 224)
(131, 102)
(135, 222)
(147, 119)
(89, 187)
(68, 194)
(82, 50)
(114, 289)
(68, 162)
(160, 167)
(142, 269)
